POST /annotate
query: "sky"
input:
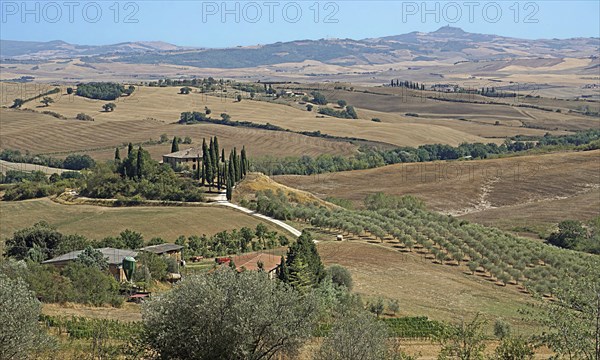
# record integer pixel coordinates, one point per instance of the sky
(243, 23)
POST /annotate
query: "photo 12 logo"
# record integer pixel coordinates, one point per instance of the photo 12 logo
(269, 11)
(69, 11)
(471, 11)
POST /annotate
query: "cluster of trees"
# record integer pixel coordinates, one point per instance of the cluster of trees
(270, 203)
(348, 113)
(103, 90)
(42, 242)
(82, 281)
(234, 242)
(318, 98)
(30, 185)
(215, 170)
(71, 162)
(574, 235)
(137, 177)
(206, 84)
(371, 158)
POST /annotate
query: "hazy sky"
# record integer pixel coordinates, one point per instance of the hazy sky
(231, 23)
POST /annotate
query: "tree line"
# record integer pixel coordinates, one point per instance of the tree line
(369, 157)
(17, 103)
(71, 162)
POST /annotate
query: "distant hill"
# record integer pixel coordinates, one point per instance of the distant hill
(27, 50)
(448, 44)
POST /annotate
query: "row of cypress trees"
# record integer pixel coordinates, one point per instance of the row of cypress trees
(215, 170)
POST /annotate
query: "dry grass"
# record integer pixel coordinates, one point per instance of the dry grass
(422, 288)
(97, 222)
(129, 311)
(69, 136)
(525, 186)
(255, 182)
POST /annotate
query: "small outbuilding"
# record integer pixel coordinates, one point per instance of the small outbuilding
(167, 249)
(114, 258)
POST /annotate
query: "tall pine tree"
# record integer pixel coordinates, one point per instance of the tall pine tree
(174, 145)
(117, 155)
(129, 148)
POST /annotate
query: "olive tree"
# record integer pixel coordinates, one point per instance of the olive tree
(228, 315)
(355, 337)
(464, 340)
(20, 332)
(573, 319)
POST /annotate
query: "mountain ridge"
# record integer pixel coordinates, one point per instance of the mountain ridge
(448, 44)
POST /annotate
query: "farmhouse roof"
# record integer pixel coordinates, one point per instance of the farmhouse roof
(162, 248)
(113, 256)
(191, 153)
(250, 261)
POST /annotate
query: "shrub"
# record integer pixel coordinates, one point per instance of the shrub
(207, 310)
(20, 331)
(355, 337)
(340, 276)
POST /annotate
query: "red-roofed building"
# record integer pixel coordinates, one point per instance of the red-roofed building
(251, 262)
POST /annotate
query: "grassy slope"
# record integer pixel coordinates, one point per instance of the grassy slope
(422, 288)
(97, 222)
(547, 188)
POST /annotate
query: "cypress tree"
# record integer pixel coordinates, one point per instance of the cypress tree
(199, 169)
(282, 271)
(210, 175)
(216, 153)
(204, 160)
(229, 190)
(244, 162)
(117, 155)
(231, 169)
(236, 166)
(214, 156)
(222, 155)
(129, 148)
(304, 263)
(174, 145)
(140, 163)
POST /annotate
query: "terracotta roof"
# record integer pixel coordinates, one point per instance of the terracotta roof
(113, 256)
(191, 153)
(249, 261)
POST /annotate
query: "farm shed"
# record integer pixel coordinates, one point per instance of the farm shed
(188, 158)
(114, 257)
(170, 250)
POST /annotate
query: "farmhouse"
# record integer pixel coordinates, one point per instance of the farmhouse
(114, 257)
(167, 250)
(188, 158)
